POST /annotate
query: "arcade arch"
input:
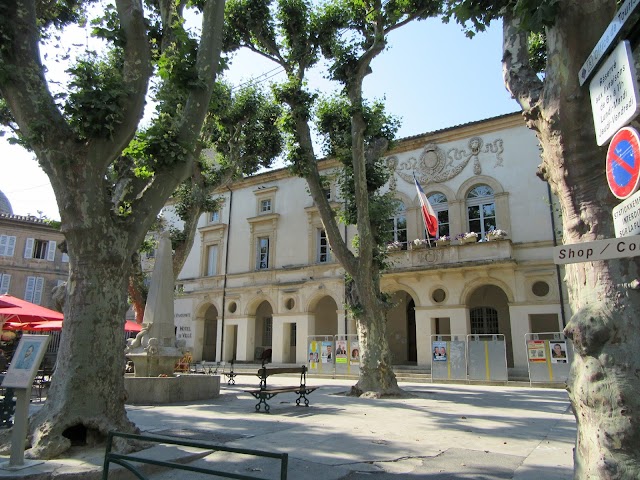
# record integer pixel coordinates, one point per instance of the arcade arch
(401, 328)
(325, 313)
(489, 314)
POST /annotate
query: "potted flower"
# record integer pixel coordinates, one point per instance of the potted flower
(443, 240)
(496, 234)
(394, 246)
(420, 243)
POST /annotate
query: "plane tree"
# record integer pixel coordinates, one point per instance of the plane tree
(240, 136)
(545, 44)
(344, 35)
(108, 196)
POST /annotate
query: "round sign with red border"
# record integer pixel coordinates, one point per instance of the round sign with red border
(623, 163)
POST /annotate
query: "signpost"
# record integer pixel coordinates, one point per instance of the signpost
(614, 93)
(612, 32)
(22, 370)
(607, 249)
(623, 163)
(626, 216)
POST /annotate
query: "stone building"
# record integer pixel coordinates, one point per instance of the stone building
(261, 274)
(31, 265)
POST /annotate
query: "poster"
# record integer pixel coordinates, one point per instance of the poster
(314, 356)
(341, 351)
(439, 351)
(354, 357)
(536, 351)
(26, 361)
(558, 352)
(327, 352)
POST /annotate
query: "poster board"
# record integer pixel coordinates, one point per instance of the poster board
(26, 361)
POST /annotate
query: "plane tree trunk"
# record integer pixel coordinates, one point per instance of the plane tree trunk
(604, 381)
(82, 154)
(86, 400)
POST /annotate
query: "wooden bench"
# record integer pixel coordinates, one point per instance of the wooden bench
(265, 393)
(231, 375)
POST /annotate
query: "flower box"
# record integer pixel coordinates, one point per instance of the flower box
(496, 234)
(443, 243)
(419, 243)
(468, 237)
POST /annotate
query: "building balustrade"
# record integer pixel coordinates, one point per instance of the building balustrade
(454, 253)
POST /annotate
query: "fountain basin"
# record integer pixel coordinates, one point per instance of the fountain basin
(171, 389)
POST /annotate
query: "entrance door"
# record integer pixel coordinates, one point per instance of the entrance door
(412, 350)
(210, 335)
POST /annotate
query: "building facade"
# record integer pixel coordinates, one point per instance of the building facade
(31, 265)
(261, 274)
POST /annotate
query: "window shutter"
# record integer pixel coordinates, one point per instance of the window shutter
(4, 283)
(4, 241)
(51, 250)
(28, 251)
(65, 258)
(31, 285)
(11, 246)
(37, 294)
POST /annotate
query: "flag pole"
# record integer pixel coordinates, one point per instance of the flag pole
(426, 228)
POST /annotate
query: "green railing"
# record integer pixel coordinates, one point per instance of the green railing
(128, 461)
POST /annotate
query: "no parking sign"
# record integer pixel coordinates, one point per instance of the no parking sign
(623, 162)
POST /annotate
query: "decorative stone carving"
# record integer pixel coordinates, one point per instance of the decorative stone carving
(435, 166)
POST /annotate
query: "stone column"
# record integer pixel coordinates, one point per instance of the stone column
(305, 327)
(280, 343)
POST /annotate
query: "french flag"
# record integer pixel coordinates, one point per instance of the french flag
(428, 215)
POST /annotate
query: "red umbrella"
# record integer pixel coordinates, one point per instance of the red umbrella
(17, 310)
(129, 326)
(48, 326)
(18, 325)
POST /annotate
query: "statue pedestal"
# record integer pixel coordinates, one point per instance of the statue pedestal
(153, 365)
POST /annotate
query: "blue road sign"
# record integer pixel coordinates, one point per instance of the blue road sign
(623, 163)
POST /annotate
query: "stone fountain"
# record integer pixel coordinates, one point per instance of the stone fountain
(154, 351)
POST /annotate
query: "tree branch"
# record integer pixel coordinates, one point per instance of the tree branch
(24, 86)
(520, 79)
(136, 72)
(207, 62)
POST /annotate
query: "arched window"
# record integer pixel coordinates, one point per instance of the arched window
(439, 204)
(484, 320)
(398, 225)
(481, 210)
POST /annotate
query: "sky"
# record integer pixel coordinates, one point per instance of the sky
(431, 77)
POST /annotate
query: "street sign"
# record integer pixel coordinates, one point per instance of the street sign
(614, 93)
(623, 163)
(626, 216)
(606, 40)
(598, 250)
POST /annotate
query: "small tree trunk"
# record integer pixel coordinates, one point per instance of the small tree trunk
(86, 398)
(136, 288)
(377, 378)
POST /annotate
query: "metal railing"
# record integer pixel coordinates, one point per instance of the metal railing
(127, 460)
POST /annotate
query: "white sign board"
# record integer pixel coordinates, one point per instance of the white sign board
(614, 93)
(609, 35)
(183, 321)
(626, 216)
(26, 361)
(598, 250)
